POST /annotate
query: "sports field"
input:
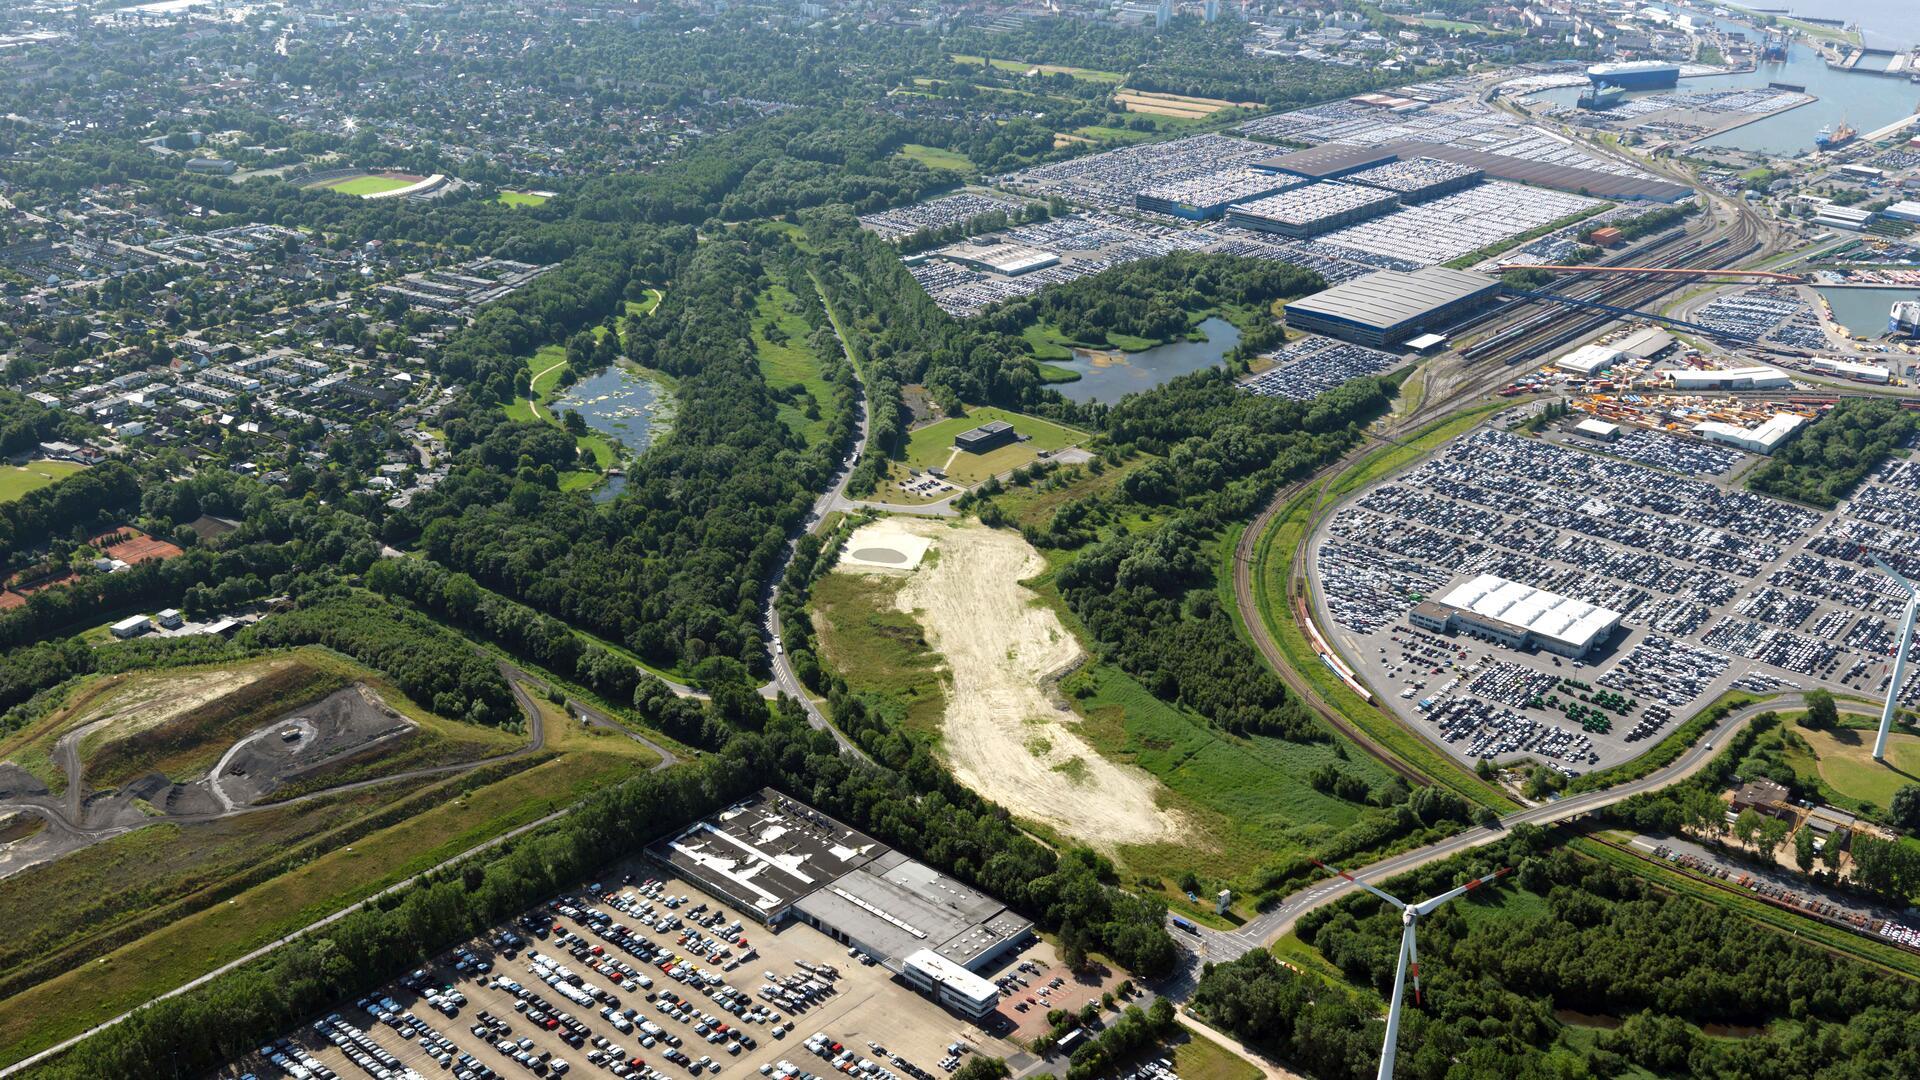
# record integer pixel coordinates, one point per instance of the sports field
(522, 198)
(16, 480)
(370, 184)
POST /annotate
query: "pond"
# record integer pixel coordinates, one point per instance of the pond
(1864, 311)
(1109, 376)
(619, 403)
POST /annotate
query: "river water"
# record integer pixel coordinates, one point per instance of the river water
(1109, 376)
(1863, 100)
(1864, 311)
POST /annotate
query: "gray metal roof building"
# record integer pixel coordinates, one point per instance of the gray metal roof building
(1338, 159)
(1387, 307)
(774, 857)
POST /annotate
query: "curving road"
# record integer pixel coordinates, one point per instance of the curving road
(66, 818)
(1264, 929)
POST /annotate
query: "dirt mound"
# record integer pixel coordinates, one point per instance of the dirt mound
(18, 783)
(328, 732)
(1002, 734)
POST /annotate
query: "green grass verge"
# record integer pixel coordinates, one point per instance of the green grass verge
(1200, 1058)
(1273, 567)
(449, 820)
(1668, 750)
(934, 157)
(17, 480)
(881, 651)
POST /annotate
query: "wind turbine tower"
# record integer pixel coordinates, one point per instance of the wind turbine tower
(1900, 654)
(1410, 915)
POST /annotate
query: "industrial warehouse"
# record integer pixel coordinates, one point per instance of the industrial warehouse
(1387, 307)
(776, 858)
(1518, 616)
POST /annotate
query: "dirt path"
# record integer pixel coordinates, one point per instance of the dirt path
(1002, 734)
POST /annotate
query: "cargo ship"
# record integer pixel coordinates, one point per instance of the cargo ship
(1904, 319)
(1832, 138)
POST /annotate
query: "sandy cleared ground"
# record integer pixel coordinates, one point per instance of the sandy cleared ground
(884, 544)
(150, 701)
(1002, 735)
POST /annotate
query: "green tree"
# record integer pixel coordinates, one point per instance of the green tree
(1904, 810)
(1803, 849)
(1822, 714)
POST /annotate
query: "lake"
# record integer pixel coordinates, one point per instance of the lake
(619, 403)
(1109, 376)
(1864, 311)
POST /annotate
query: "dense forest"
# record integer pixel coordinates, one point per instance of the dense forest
(1835, 452)
(1567, 933)
(1157, 299)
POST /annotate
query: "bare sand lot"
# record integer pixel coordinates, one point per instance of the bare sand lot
(1002, 734)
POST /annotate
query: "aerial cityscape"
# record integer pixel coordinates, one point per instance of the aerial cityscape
(1090, 539)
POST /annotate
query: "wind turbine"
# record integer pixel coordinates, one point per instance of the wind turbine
(1410, 915)
(1899, 658)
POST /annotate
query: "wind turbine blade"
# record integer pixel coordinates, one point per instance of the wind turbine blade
(1428, 905)
(1894, 574)
(1334, 869)
(1413, 958)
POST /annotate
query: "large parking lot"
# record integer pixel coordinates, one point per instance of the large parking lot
(642, 975)
(1719, 588)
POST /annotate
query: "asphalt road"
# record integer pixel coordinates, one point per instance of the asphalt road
(1270, 925)
(835, 497)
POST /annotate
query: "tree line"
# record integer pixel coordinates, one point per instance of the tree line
(1835, 452)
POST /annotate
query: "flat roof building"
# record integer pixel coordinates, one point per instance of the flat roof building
(1848, 369)
(1011, 260)
(988, 436)
(1519, 616)
(1333, 160)
(1742, 378)
(1205, 198)
(1645, 343)
(1588, 359)
(1762, 438)
(1312, 209)
(775, 857)
(1387, 307)
(1597, 429)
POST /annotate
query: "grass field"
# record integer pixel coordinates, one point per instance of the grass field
(211, 923)
(1087, 74)
(545, 367)
(521, 198)
(790, 367)
(17, 480)
(1200, 1058)
(933, 157)
(1844, 762)
(367, 185)
(1249, 795)
(881, 652)
(931, 447)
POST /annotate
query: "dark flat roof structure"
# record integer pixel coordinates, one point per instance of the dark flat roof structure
(1334, 159)
(1386, 299)
(1329, 160)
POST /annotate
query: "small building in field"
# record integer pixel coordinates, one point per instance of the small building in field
(988, 436)
(132, 627)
